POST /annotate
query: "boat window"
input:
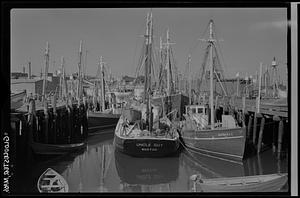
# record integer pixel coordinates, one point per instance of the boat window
(193, 110)
(200, 110)
(187, 109)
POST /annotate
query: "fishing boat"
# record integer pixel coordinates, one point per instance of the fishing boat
(56, 149)
(206, 131)
(52, 182)
(104, 118)
(167, 94)
(101, 120)
(255, 183)
(141, 130)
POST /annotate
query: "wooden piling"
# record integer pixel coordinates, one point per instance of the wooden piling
(244, 104)
(32, 118)
(54, 121)
(70, 120)
(256, 117)
(280, 135)
(262, 125)
(276, 119)
(31, 128)
(46, 121)
(249, 127)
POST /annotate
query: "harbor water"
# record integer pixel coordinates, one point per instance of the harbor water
(99, 168)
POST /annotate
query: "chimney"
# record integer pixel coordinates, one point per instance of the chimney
(29, 70)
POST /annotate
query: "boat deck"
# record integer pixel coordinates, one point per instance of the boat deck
(144, 134)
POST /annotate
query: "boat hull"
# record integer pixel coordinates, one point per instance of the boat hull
(147, 147)
(56, 149)
(218, 143)
(256, 183)
(98, 121)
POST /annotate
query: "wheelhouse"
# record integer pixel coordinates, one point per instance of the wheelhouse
(196, 109)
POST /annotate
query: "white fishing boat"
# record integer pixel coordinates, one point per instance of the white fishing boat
(255, 183)
(52, 182)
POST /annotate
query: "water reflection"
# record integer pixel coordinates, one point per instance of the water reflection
(102, 169)
(146, 174)
(89, 171)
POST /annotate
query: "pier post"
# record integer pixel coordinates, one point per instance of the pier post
(30, 128)
(249, 127)
(69, 120)
(31, 117)
(254, 129)
(256, 117)
(262, 125)
(244, 104)
(54, 118)
(280, 135)
(46, 120)
(276, 119)
(85, 117)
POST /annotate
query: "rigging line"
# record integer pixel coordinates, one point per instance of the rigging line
(203, 67)
(157, 64)
(136, 41)
(174, 68)
(221, 68)
(198, 41)
(220, 82)
(141, 60)
(220, 52)
(153, 64)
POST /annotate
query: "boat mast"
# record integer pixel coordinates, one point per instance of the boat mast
(146, 60)
(190, 80)
(60, 92)
(65, 87)
(211, 40)
(168, 66)
(259, 88)
(275, 83)
(102, 83)
(79, 88)
(148, 69)
(46, 72)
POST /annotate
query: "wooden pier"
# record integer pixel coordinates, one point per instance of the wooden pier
(48, 126)
(258, 115)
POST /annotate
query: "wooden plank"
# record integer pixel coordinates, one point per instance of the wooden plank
(265, 108)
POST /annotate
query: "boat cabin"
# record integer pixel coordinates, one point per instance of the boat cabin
(201, 115)
(196, 109)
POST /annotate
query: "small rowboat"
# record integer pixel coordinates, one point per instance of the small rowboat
(52, 182)
(256, 183)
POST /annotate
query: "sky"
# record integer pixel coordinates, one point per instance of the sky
(248, 36)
